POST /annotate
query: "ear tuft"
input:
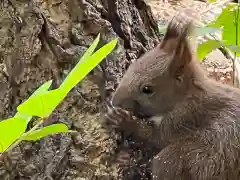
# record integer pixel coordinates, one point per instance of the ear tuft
(177, 31)
(175, 43)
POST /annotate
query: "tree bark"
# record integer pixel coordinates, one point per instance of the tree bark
(42, 40)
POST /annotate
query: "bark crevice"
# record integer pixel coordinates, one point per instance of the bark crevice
(42, 40)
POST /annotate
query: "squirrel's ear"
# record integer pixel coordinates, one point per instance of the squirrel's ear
(175, 43)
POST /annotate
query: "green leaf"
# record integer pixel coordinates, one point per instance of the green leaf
(206, 47)
(38, 105)
(90, 49)
(202, 31)
(10, 130)
(45, 131)
(23, 116)
(211, 1)
(226, 17)
(229, 24)
(162, 28)
(231, 30)
(234, 49)
(43, 104)
(86, 65)
(71, 79)
(43, 88)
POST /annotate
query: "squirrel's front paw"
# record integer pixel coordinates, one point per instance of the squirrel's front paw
(122, 159)
(115, 116)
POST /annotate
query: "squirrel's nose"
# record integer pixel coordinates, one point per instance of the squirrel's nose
(122, 101)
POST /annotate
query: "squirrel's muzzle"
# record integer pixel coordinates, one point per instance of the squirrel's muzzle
(121, 102)
(130, 105)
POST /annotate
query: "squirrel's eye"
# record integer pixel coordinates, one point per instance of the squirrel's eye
(147, 90)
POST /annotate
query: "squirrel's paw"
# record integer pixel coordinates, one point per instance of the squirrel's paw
(123, 159)
(115, 116)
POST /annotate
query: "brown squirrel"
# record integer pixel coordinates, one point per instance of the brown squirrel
(196, 119)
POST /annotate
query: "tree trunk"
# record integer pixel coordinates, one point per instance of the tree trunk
(42, 40)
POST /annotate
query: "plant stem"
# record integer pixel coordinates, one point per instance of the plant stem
(236, 15)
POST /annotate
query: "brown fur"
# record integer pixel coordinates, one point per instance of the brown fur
(199, 130)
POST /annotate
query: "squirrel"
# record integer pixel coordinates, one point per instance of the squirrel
(196, 119)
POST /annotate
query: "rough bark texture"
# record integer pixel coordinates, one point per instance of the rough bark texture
(41, 40)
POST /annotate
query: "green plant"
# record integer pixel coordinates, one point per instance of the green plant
(226, 24)
(43, 101)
